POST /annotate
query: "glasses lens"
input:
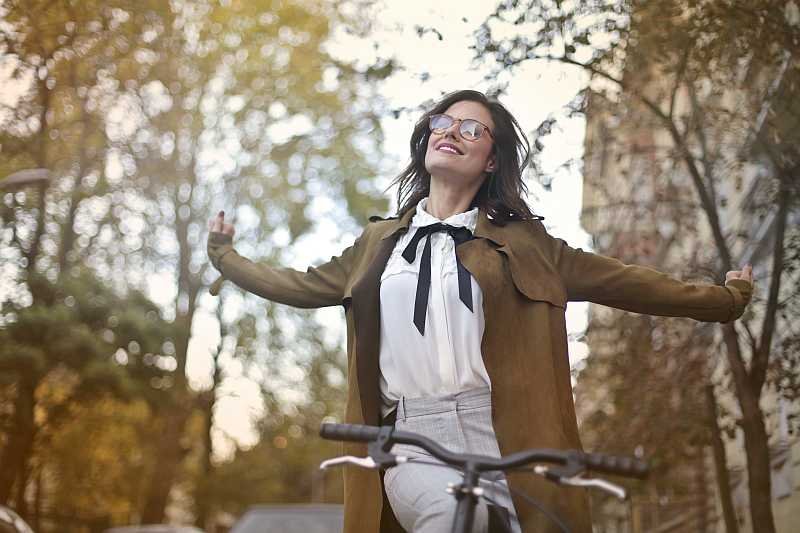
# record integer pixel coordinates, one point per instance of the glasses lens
(440, 122)
(471, 129)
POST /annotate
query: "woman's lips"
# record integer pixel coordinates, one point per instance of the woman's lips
(448, 148)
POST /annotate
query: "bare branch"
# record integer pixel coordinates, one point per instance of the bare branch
(761, 356)
(678, 80)
(750, 336)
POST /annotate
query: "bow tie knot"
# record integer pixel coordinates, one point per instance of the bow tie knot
(460, 235)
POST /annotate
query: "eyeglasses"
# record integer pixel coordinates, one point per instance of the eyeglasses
(469, 128)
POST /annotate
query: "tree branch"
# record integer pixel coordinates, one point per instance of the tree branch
(735, 360)
(750, 336)
(708, 166)
(689, 159)
(761, 356)
(678, 77)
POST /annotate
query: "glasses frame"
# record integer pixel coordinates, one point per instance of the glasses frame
(460, 122)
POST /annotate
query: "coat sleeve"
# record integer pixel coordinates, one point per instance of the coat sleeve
(316, 287)
(607, 281)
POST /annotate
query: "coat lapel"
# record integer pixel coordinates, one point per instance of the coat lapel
(367, 319)
(480, 256)
(486, 229)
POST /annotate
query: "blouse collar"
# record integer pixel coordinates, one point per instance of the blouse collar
(467, 219)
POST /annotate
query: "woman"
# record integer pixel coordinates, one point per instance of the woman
(455, 319)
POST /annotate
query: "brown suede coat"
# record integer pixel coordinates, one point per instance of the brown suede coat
(527, 278)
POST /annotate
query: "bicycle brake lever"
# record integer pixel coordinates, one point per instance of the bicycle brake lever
(578, 481)
(364, 462)
(602, 484)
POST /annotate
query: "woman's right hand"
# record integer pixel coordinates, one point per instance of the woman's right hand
(218, 224)
(220, 242)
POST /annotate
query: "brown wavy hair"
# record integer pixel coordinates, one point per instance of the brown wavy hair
(501, 194)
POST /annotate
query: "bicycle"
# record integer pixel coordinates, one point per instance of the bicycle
(572, 463)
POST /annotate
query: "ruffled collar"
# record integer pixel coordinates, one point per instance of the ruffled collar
(467, 219)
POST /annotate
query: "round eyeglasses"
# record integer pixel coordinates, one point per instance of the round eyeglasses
(469, 128)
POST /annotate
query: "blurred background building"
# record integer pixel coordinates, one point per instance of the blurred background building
(663, 386)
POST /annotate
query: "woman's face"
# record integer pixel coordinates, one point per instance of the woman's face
(452, 158)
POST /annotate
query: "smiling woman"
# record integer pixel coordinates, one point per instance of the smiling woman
(493, 161)
(456, 324)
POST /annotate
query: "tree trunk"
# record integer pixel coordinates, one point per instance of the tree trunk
(68, 233)
(208, 401)
(702, 492)
(17, 451)
(21, 504)
(720, 464)
(756, 442)
(756, 446)
(41, 159)
(201, 491)
(169, 454)
(202, 499)
(38, 498)
(170, 450)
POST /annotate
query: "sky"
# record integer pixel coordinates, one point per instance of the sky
(534, 93)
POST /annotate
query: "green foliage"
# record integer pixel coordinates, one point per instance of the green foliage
(75, 325)
(76, 328)
(152, 116)
(96, 465)
(69, 346)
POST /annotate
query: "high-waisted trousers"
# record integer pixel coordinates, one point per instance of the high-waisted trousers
(417, 492)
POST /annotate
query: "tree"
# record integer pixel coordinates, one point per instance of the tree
(710, 78)
(243, 69)
(298, 397)
(91, 470)
(82, 342)
(240, 341)
(40, 46)
(642, 387)
(52, 127)
(152, 116)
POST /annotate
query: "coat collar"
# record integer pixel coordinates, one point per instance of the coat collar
(484, 228)
(395, 225)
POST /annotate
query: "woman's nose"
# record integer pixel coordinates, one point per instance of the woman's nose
(451, 131)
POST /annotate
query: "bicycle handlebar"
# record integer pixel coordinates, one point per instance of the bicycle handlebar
(612, 464)
(349, 432)
(622, 466)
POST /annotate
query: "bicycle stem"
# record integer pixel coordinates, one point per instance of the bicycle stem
(467, 497)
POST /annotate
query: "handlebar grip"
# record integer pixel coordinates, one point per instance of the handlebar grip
(622, 466)
(349, 432)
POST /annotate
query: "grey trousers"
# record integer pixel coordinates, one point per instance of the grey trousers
(461, 423)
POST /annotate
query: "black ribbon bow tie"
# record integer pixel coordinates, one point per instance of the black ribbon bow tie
(459, 235)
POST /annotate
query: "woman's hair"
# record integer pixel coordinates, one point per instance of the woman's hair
(501, 193)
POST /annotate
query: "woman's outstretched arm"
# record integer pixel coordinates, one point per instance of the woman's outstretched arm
(317, 287)
(607, 281)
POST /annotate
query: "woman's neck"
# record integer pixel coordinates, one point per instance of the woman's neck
(444, 201)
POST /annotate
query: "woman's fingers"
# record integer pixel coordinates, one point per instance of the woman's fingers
(746, 273)
(219, 225)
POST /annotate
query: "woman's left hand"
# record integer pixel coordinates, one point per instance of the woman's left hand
(746, 273)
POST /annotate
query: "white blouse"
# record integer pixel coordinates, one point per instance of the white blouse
(447, 359)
